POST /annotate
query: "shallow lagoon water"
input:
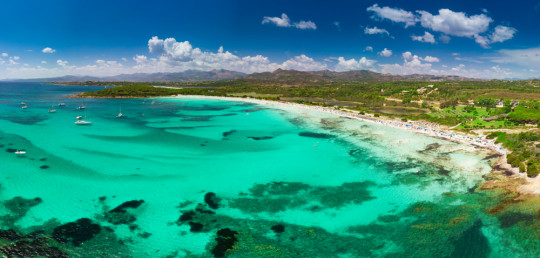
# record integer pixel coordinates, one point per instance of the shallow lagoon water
(287, 182)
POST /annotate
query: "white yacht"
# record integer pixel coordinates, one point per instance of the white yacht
(20, 152)
(82, 122)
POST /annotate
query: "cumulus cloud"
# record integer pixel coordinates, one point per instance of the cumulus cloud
(352, 64)
(62, 63)
(375, 30)
(5, 55)
(285, 21)
(16, 58)
(48, 50)
(428, 38)
(431, 59)
(303, 63)
(455, 23)
(502, 33)
(393, 14)
(385, 52)
(412, 64)
(449, 23)
(43, 62)
(369, 49)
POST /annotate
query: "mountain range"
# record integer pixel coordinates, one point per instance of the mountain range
(279, 75)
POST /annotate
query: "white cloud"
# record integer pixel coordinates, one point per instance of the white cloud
(431, 59)
(140, 59)
(43, 62)
(99, 61)
(369, 49)
(48, 50)
(4, 54)
(16, 57)
(375, 30)
(412, 64)
(385, 52)
(394, 14)
(302, 63)
(285, 21)
(304, 25)
(528, 57)
(449, 23)
(351, 64)
(502, 33)
(428, 38)
(455, 23)
(62, 63)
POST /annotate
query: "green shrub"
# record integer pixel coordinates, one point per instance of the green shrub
(521, 167)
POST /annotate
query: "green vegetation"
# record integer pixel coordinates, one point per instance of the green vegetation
(132, 91)
(525, 150)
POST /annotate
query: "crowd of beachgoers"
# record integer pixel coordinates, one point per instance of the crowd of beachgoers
(430, 129)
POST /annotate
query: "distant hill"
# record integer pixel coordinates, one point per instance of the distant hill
(187, 76)
(284, 77)
(292, 76)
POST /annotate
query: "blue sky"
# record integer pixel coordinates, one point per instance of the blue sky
(487, 39)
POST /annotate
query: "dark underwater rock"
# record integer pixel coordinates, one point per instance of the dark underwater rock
(127, 205)
(44, 167)
(511, 218)
(278, 228)
(76, 232)
(472, 243)
(120, 214)
(9, 235)
(186, 216)
(226, 238)
(431, 147)
(212, 200)
(195, 227)
(10, 150)
(261, 138)
(34, 248)
(226, 134)
(316, 135)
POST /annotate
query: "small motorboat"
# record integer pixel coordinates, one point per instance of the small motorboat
(20, 152)
(82, 107)
(52, 110)
(82, 122)
(79, 117)
(23, 104)
(61, 104)
(24, 107)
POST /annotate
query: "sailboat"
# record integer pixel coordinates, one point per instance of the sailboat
(51, 110)
(61, 104)
(82, 106)
(120, 112)
(83, 122)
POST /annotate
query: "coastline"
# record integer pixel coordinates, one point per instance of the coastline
(510, 176)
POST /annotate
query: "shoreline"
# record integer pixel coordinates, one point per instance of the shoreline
(527, 187)
(425, 128)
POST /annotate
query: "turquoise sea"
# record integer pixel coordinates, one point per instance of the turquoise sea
(178, 177)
